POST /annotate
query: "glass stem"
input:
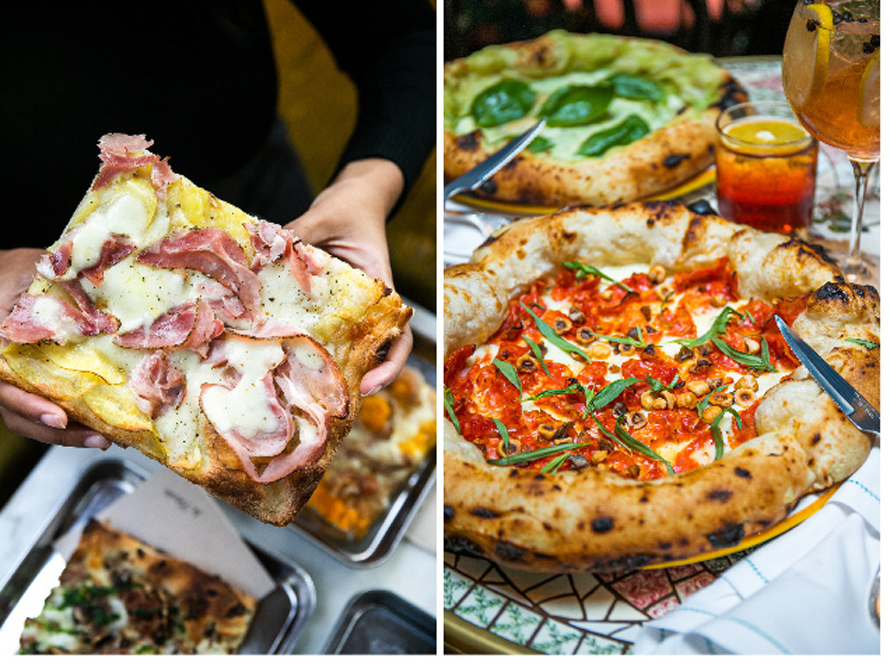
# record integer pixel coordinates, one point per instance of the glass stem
(854, 267)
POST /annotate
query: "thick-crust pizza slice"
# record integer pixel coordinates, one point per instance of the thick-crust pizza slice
(626, 399)
(118, 595)
(216, 343)
(626, 118)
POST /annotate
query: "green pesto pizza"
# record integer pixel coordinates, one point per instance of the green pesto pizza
(625, 118)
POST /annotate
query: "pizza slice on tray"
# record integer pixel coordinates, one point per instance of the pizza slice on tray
(118, 595)
(213, 342)
(626, 399)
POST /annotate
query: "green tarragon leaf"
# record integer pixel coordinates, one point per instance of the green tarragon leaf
(551, 336)
(760, 362)
(502, 430)
(638, 343)
(532, 455)
(608, 393)
(509, 372)
(658, 386)
(553, 465)
(449, 409)
(623, 438)
(704, 403)
(582, 269)
(717, 328)
(717, 433)
(552, 392)
(864, 342)
(536, 350)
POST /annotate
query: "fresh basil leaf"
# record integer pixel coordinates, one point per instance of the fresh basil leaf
(576, 105)
(582, 269)
(550, 334)
(864, 342)
(539, 144)
(532, 455)
(630, 86)
(449, 409)
(502, 430)
(658, 386)
(536, 349)
(632, 128)
(502, 103)
(508, 371)
(754, 362)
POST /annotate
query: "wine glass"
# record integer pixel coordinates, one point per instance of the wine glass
(831, 73)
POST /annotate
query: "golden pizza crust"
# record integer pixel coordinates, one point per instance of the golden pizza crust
(593, 520)
(664, 159)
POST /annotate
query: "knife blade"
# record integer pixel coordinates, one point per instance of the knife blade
(857, 409)
(483, 171)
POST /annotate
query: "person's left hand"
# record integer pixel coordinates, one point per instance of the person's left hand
(348, 220)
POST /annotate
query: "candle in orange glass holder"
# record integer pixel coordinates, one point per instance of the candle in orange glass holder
(766, 168)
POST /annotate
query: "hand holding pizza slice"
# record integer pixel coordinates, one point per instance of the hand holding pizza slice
(218, 344)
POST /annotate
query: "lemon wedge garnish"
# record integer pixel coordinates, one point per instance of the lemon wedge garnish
(806, 53)
(869, 111)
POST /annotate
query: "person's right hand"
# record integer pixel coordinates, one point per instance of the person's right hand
(26, 414)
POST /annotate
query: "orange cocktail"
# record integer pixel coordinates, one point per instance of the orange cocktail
(766, 168)
(831, 70)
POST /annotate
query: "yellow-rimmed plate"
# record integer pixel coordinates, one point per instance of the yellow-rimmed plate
(702, 180)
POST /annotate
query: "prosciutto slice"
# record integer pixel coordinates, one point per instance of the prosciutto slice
(307, 387)
(274, 243)
(214, 253)
(157, 385)
(24, 326)
(191, 325)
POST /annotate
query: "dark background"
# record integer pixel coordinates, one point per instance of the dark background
(720, 27)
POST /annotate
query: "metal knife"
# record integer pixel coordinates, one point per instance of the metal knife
(482, 172)
(862, 414)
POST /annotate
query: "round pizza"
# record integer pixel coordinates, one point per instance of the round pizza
(625, 118)
(618, 394)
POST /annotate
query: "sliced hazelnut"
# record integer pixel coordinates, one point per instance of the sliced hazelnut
(699, 388)
(619, 409)
(636, 420)
(684, 354)
(585, 334)
(646, 311)
(718, 300)
(686, 401)
(705, 349)
(647, 400)
(599, 456)
(745, 397)
(669, 398)
(562, 325)
(626, 349)
(746, 382)
(509, 449)
(599, 351)
(752, 345)
(657, 274)
(546, 431)
(715, 382)
(577, 316)
(722, 399)
(710, 414)
(633, 471)
(526, 364)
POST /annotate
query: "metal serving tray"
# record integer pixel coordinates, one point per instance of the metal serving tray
(280, 616)
(385, 534)
(379, 622)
